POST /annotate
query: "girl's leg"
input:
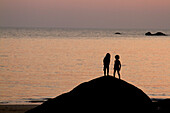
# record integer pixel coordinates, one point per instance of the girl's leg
(108, 71)
(104, 69)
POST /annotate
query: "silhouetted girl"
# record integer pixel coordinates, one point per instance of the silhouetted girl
(117, 66)
(106, 63)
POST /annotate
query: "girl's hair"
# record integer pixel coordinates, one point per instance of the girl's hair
(117, 57)
(108, 55)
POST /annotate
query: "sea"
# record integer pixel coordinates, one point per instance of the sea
(41, 63)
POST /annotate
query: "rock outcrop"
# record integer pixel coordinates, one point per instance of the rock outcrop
(155, 34)
(104, 94)
(118, 33)
(161, 106)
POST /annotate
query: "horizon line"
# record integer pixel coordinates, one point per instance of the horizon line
(48, 27)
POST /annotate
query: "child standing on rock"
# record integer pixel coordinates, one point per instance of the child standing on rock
(117, 66)
(106, 63)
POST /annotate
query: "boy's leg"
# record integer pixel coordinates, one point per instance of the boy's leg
(114, 73)
(118, 73)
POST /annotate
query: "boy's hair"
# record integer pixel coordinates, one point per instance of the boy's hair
(117, 57)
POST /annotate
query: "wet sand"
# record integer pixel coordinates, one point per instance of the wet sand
(15, 108)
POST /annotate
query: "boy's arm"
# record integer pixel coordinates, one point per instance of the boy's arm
(120, 65)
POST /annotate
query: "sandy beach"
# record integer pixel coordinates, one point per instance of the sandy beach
(15, 108)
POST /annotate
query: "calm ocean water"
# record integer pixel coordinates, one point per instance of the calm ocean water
(41, 63)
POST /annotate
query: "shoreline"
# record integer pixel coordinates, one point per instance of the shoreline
(42, 100)
(16, 108)
(22, 108)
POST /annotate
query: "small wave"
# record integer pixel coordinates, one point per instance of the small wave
(159, 94)
(38, 100)
(3, 66)
(4, 102)
(3, 55)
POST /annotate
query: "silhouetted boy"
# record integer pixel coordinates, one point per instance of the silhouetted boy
(117, 66)
(106, 63)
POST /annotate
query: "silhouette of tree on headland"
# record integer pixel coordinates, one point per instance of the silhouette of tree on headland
(106, 63)
(117, 66)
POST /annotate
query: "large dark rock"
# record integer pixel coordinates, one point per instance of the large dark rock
(118, 33)
(155, 34)
(161, 106)
(106, 94)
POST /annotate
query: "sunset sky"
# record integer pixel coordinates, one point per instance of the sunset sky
(86, 13)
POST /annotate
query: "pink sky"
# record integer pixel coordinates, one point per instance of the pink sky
(86, 13)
